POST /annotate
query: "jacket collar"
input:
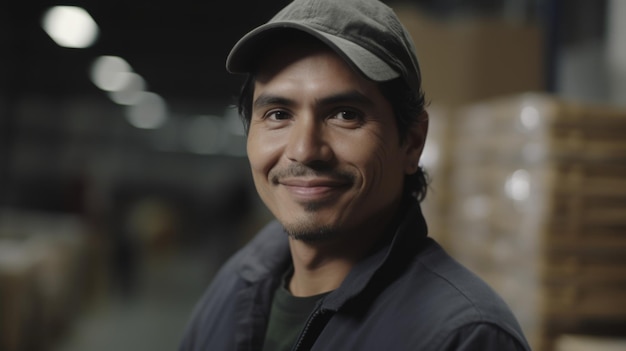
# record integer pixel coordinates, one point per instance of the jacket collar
(410, 230)
(268, 255)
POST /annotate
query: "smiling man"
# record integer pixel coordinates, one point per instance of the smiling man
(336, 125)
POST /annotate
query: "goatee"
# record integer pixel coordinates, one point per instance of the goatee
(310, 233)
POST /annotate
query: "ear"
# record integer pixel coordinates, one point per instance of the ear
(414, 143)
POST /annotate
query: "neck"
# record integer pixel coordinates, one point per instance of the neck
(322, 266)
(317, 270)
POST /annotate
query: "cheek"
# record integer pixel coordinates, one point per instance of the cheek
(384, 165)
(263, 153)
(371, 155)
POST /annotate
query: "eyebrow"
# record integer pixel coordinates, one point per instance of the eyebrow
(351, 97)
(270, 99)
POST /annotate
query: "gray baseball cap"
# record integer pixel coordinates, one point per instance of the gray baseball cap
(365, 33)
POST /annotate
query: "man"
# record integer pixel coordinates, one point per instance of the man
(336, 126)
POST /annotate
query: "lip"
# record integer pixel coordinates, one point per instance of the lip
(314, 188)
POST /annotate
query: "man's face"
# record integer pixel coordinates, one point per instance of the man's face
(324, 147)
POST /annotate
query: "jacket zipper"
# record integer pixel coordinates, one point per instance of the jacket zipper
(300, 345)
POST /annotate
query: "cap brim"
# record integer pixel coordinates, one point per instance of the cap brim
(243, 55)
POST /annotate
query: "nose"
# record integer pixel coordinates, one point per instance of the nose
(308, 142)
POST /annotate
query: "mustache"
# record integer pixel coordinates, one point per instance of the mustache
(299, 170)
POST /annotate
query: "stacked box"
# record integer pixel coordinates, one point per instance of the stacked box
(41, 278)
(539, 211)
(18, 315)
(587, 343)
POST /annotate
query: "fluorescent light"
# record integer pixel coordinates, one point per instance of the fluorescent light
(150, 111)
(70, 26)
(130, 93)
(110, 73)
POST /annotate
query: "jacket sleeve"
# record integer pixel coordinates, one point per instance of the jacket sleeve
(483, 337)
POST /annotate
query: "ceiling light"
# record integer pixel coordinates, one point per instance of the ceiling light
(70, 26)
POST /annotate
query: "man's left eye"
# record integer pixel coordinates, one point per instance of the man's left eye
(347, 115)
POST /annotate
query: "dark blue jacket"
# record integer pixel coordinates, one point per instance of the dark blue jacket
(408, 295)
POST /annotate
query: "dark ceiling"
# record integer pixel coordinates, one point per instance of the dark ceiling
(178, 47)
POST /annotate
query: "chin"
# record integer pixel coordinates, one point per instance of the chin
(311, 232)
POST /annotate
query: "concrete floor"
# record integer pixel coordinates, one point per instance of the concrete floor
(152, 318)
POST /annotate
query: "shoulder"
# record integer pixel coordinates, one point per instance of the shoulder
(466, 307)
(214, 315)
(266, 250)
(459, 284)
(483, 336)
(433, 303)
(254, 261)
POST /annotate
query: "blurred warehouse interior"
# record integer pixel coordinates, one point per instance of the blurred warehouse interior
(124, 182)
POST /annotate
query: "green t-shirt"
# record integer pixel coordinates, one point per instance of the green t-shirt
(287, 318)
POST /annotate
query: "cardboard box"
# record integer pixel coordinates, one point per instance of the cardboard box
(465, 60)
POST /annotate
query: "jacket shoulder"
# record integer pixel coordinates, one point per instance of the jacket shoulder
(215, 315)
(468, 304)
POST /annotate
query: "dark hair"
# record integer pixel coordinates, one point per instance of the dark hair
(408, 108)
